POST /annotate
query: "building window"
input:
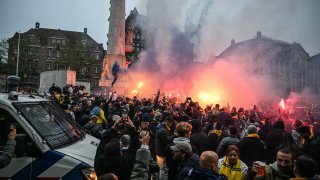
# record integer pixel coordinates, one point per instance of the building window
(58, 53)
(58, 41)
(84, 43)
(48, 67)
(31, 37)
(83, 70)
(35, 63)
(36, 51)
(53, 41)
(23, 64)
(97, 56)
(30, 52)
(29, 65)
(83, 55)
(95, 83)
(49, 53)
(63, 42)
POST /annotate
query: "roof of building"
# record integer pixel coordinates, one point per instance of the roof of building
(72, 36)
(263, 45)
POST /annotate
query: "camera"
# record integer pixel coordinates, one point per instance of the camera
(12, 127)
(125, 116)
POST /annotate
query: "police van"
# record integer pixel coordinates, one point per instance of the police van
(49, 144)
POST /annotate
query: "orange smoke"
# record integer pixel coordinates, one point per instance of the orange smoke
(207, 84)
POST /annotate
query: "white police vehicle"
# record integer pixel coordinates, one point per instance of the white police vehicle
(49, 144)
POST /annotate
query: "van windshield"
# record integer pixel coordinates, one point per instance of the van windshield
(51, 123)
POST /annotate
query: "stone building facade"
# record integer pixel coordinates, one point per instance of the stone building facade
(286, 67)
(43, 49)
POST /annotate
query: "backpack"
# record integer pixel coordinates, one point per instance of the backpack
(95, 111)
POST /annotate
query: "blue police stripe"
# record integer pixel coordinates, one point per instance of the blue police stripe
(75, 173)
(38, 166)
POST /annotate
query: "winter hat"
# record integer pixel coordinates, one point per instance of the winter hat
(116, 117)
(252, 129)
(182, 146)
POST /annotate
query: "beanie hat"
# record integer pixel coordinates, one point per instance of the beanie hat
(252, 129)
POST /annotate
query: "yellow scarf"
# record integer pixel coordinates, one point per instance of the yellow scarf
(217, 132)
(253, 135)
(232, 172)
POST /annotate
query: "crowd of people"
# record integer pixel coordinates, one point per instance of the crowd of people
(159, 138)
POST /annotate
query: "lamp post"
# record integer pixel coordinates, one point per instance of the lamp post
(18, 56)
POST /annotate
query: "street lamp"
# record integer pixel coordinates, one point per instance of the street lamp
(17, 70)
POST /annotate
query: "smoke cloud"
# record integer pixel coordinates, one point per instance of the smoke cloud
(207, 25)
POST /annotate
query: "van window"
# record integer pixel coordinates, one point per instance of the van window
(5, 121)
(25, 144)
(51, 123)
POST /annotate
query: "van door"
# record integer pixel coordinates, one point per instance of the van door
(31, 162)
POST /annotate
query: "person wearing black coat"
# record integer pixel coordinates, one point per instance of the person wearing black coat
(251, 147)
(108, 157)
(215, 136)
(183, 131)
(198, 138)
(164, 136)
(273, 140)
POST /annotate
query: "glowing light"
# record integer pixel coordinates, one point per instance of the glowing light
(140, 84)
(216, 97)
(282, 105)
(134, 91)
(206, 98)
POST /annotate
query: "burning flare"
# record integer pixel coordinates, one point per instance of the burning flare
(206, 98)
(282, 105)
(140, 84)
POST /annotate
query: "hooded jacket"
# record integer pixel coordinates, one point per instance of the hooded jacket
(271, 172)
(251, 149)
(172, 164)
(187, 164)
(120, 165)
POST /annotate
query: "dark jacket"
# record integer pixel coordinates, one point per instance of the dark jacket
(199, 173)
(7, 153)
(172, 164)
(186, 165)
(251, 149)
(214, 141)
(273, 140)
(152, 133)
(200, 140)
(163, 138)
(121, 166)
(312, 147)
(141, 166)
(264, 131)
